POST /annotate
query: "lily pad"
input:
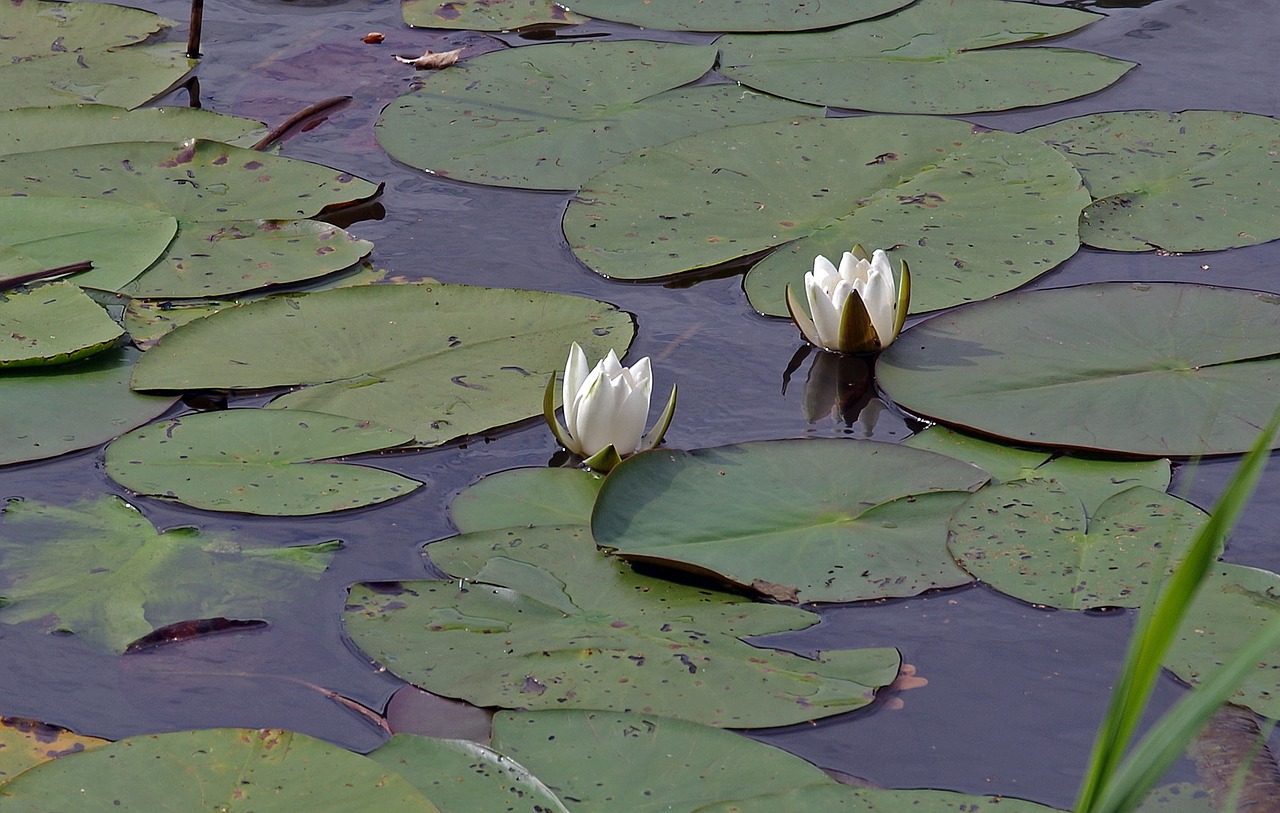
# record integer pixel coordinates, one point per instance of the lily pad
(936, 56)
(27, 743)
(63, 53)
(836, 797)
(196, 180)
(269, 771)
(551, 116)
(1092, 480)
(1232, 607)
(49, 324)
(437, 361)
(798, 520)
(34, 129)
(149, 320)
(1200, 180)
(213, 258)
(46, 412)
(542, 619)
(99, 570)
(462, 777)
(119, 239)
(612, 762)
(974, 213)
(526, 497)
(1080, 367)
(485, 15)
(728, 15)
(1033, 541)
(258, 461)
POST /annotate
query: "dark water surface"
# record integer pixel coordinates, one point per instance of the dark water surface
(1014, 693)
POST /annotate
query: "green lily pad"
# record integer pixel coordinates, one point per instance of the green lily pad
(437, 361)
(149, 320)
(798, 520)
(835, 797)
(1033, 541)
(54, 323)
(1092, 480)
(974, 213)
(526, 497)
(219, 258)
(485, 15)
(1080, 367)
(542, 619)
(99, 569)
(612, 762)
(1200, 180)
(119, 239)
(268, 771)
(46, 412)
(64, 53)
(1232, 607)
(34, 129)
(936, 56)
(463, 777)
(551, 116)
(728, 15)
(258, 461)
(197, 180)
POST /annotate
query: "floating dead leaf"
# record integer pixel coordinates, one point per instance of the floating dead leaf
(373, 38)
(432, 61)
(905, 681)
(777, 592)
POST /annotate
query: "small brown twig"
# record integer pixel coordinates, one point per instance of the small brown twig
(302, 115)
(48, 273)
(193, 32)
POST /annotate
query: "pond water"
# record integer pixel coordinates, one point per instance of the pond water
(1014, 693)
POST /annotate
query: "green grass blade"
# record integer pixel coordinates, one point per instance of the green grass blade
(1158, 622)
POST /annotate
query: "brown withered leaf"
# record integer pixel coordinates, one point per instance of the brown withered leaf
(432, 61)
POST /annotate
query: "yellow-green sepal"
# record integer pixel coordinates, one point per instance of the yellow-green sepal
(549, 413)
(807, 328)
(659, 430)
(604, 460)
(904, 299)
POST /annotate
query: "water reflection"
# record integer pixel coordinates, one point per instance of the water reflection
(840, 387)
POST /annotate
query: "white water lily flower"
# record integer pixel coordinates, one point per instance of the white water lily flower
(605, 409)
(856, 308)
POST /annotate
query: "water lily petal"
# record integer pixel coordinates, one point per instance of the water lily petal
(576, 371)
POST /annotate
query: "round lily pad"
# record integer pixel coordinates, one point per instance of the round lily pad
(935, 56)
(1199, 180)
(974, 213)
(551, 116)
(538, 618)
(617, 762)
(1084, 368)
(212, 258)
(119, 239)
(798, 520)
(50, 411)
(223, 768)
(1233, 606)
(526, 497)
(1033, 541)
(485, 15)
(436, 361)
(33, 129)
(62, 53)
(258, 461)
(54, 323)
(731, 15)
(836, 798)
